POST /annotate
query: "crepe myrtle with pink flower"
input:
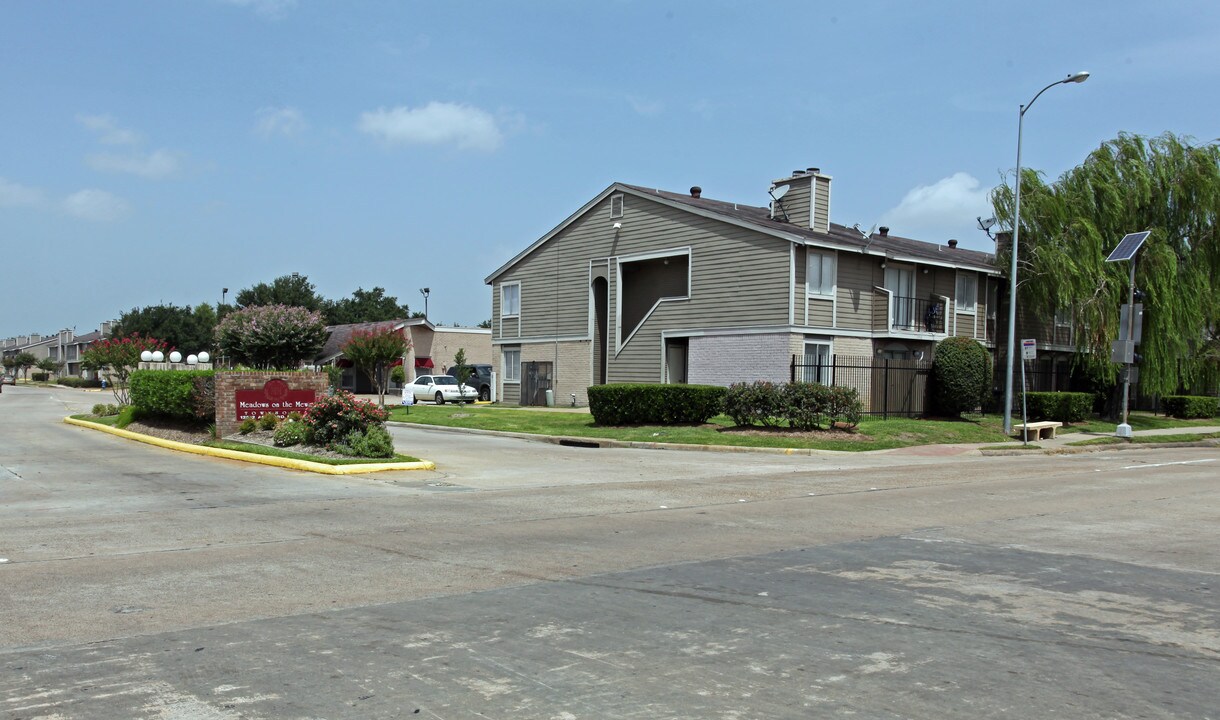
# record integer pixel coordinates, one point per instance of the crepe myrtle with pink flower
(278, 337)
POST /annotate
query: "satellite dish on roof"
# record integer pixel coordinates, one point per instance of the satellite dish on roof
(777, 191)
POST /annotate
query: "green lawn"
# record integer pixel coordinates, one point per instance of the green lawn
(1137, 421)
(254, 449)
(1148, 440)
(871, 435)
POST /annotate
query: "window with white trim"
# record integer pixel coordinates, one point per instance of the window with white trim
(819, 273)
(816, 363)
(966, 297)
(512, 365)
(510, 299)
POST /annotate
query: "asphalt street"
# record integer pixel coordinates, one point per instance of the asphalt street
(529, 580)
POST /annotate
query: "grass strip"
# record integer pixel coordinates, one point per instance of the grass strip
(1147, 439)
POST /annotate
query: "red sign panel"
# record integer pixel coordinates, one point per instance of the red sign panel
(275, 398)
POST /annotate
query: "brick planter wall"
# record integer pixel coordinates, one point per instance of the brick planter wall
(228, 383)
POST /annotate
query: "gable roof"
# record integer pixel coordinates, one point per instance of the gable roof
(759, 219)
(338, 335)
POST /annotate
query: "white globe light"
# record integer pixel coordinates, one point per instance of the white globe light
(191, 359)
(204, 357)
(146, 356)
(175, 357)
(158, 356)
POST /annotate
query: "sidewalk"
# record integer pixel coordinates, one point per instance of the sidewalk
(1065, 439)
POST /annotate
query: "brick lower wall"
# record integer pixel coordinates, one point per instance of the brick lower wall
(728, 359)
(228, 383)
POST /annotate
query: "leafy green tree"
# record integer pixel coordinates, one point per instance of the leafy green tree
(373, 351)
(50, 365)
(115, 357)
(10, 365)
(364, 306)
(23, 361)
(1167, 185)
(461, 370)
(486, 324)
(272, 336)
(293, 290)
(181, 328)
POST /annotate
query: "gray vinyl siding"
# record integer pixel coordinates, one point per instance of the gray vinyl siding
(856, 278)
(821, 313)
(943, 281)
(797, 203)
(821, 205)
(739, 278)
(965, 325)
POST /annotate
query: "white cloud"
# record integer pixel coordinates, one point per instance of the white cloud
(154, 165)
(16, 195)
(109, 132)
(95, 205)
(272, 9)
(645, 107)
(436, 123)
(946, 209)
(279, 121)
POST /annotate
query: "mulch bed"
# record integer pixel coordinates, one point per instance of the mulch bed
(192, 434)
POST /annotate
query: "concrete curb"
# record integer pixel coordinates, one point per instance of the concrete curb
(290, 463)
(573, 441)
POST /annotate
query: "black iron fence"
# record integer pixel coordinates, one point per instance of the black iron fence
(886, 388)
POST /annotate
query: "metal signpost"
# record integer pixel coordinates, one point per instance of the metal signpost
(1124, 347)
(1029, 351)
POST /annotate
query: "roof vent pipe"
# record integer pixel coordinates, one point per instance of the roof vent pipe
(696, 191)
(952, 243)
(813, 171)
(797, 173)
(884, 230)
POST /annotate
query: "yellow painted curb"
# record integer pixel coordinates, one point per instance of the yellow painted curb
(290, 463)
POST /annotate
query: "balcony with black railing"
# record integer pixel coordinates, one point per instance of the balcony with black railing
(917, 315)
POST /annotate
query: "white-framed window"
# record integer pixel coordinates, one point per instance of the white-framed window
(819, 273)
(816, 363)
(512, 365)
(966, 297)
(510, 299)
(616, 206)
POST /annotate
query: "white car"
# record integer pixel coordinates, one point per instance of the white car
(441, 389)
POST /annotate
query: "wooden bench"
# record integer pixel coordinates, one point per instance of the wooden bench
(1040, 428)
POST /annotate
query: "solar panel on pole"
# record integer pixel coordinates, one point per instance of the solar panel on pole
(1128, 246)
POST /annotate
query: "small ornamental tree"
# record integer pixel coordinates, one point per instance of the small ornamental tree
(373, 351)
(116, 357)
(50, 365)
(23, 361)
(271, 336)
(461, 370)
(961, 376)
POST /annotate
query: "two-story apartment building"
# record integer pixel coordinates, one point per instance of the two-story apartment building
(644, 285)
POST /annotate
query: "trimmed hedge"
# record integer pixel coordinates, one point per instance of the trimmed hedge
(1068, 407)
(961, 376)
(40, 376)
(181, 394)
(654, 404)
(1191, 406)
(804, 406)
(74, 382)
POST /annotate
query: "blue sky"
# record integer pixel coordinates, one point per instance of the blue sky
(155, 152)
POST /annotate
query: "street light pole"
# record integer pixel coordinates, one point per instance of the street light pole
(1016, 234)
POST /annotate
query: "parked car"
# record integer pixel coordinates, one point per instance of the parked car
(7, 380)
(479, 378)
(442, 389)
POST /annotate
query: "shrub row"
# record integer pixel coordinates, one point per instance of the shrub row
(803, 406)
(654, 404)
(1068, 407)
(40, 376)
(185, 394)
(334, 418)
(74, 382)
(1191, 406)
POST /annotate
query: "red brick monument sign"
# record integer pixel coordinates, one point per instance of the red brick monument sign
(253, 394)
(274, 397)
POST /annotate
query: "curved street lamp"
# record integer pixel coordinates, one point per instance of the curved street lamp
(1016, 233)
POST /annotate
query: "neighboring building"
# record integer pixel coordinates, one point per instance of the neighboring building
(64, 346)
(643, 285)
(432, 348)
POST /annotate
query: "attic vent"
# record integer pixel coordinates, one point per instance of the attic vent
(616, 206)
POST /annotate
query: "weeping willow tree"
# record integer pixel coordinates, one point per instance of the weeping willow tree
(1167, 185)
